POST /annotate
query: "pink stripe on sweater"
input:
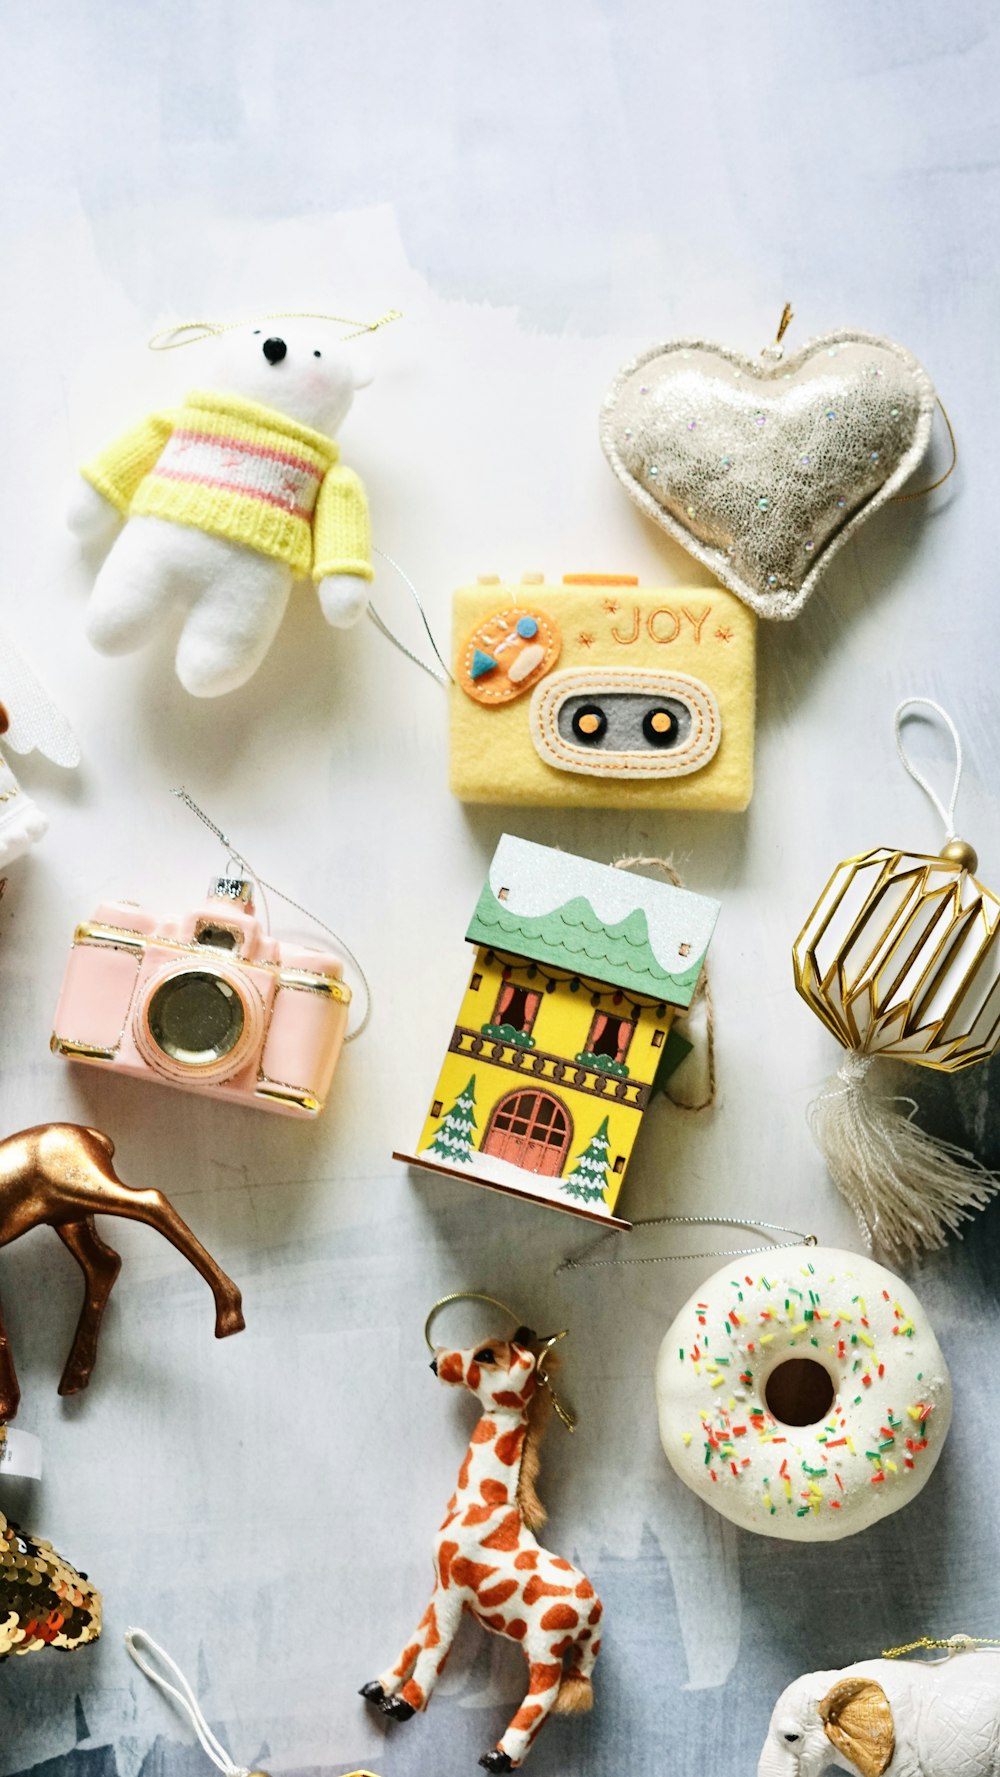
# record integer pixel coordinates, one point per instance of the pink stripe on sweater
(231, 487)
(250, 450)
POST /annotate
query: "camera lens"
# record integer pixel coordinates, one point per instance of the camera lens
(195, 1018)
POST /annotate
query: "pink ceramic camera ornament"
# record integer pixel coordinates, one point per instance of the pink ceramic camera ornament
(207, 1002)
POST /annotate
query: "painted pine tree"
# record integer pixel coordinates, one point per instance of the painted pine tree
(453, 1140)
(588, 1180)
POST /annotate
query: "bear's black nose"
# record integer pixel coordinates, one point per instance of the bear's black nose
(274, 350)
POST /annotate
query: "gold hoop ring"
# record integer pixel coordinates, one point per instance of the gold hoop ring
(467, 1296)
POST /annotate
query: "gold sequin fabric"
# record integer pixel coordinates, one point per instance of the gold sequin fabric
(763, 470)
(44, 1602)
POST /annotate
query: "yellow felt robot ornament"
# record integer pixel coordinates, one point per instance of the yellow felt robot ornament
(900, 958)
(601, 693)
(596, 692)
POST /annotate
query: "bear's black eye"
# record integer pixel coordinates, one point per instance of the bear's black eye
(485, 1356)
(791, 1737)
(317, 354)
(256, 331)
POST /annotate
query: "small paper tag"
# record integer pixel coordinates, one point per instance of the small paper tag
(21, 1454)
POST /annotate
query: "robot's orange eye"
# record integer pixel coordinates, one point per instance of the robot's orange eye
(661, 727)
(589, 722)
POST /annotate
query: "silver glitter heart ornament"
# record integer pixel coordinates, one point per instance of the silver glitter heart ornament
(762, 470)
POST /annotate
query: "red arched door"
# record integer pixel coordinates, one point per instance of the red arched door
(530, 1129)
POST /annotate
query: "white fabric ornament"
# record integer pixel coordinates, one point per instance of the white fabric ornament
(216, 506)
(29, 722)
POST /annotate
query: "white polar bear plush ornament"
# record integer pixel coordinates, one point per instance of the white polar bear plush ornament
(227, 499)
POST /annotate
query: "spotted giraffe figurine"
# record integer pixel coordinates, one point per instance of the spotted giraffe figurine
(488, 1562)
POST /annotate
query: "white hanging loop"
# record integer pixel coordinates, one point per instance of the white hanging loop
(183, 1696)
(947, 814)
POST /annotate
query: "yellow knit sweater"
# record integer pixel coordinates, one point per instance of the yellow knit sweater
(243, 471)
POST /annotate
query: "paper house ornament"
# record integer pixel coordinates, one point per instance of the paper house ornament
(601, 693)
(579, 972)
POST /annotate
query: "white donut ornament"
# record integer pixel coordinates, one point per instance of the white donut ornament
(806, 1398)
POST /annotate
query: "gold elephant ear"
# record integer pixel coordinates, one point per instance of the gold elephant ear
(857, 1719)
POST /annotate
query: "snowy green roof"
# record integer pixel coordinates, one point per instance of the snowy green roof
(610, 925)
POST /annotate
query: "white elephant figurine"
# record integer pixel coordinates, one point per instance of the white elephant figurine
(906, 1718)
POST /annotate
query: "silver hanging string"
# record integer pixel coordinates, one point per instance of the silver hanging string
(235, 856)
(381, 625)
(947, 814)
(581, 1261)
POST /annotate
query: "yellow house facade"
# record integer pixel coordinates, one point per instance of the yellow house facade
(563, 1027)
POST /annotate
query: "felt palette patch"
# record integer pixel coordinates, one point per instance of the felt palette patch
(602, 693)
(763, 468)
(507, 654)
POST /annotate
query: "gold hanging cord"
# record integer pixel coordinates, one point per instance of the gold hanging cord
(918, 493)
(187, 333)
(955, 1644)
(787, 317)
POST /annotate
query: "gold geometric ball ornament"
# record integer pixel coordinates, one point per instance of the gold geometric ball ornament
(901, 957)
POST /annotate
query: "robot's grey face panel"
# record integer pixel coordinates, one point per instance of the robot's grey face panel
(624, 722)
(627, 722)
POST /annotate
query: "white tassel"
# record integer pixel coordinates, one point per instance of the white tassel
(908, 1189)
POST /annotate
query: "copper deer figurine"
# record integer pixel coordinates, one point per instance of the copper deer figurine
(61, 1174)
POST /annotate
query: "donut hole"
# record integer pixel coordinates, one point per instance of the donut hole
(799, 1391)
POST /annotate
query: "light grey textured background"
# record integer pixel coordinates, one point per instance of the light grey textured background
(544, 190)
